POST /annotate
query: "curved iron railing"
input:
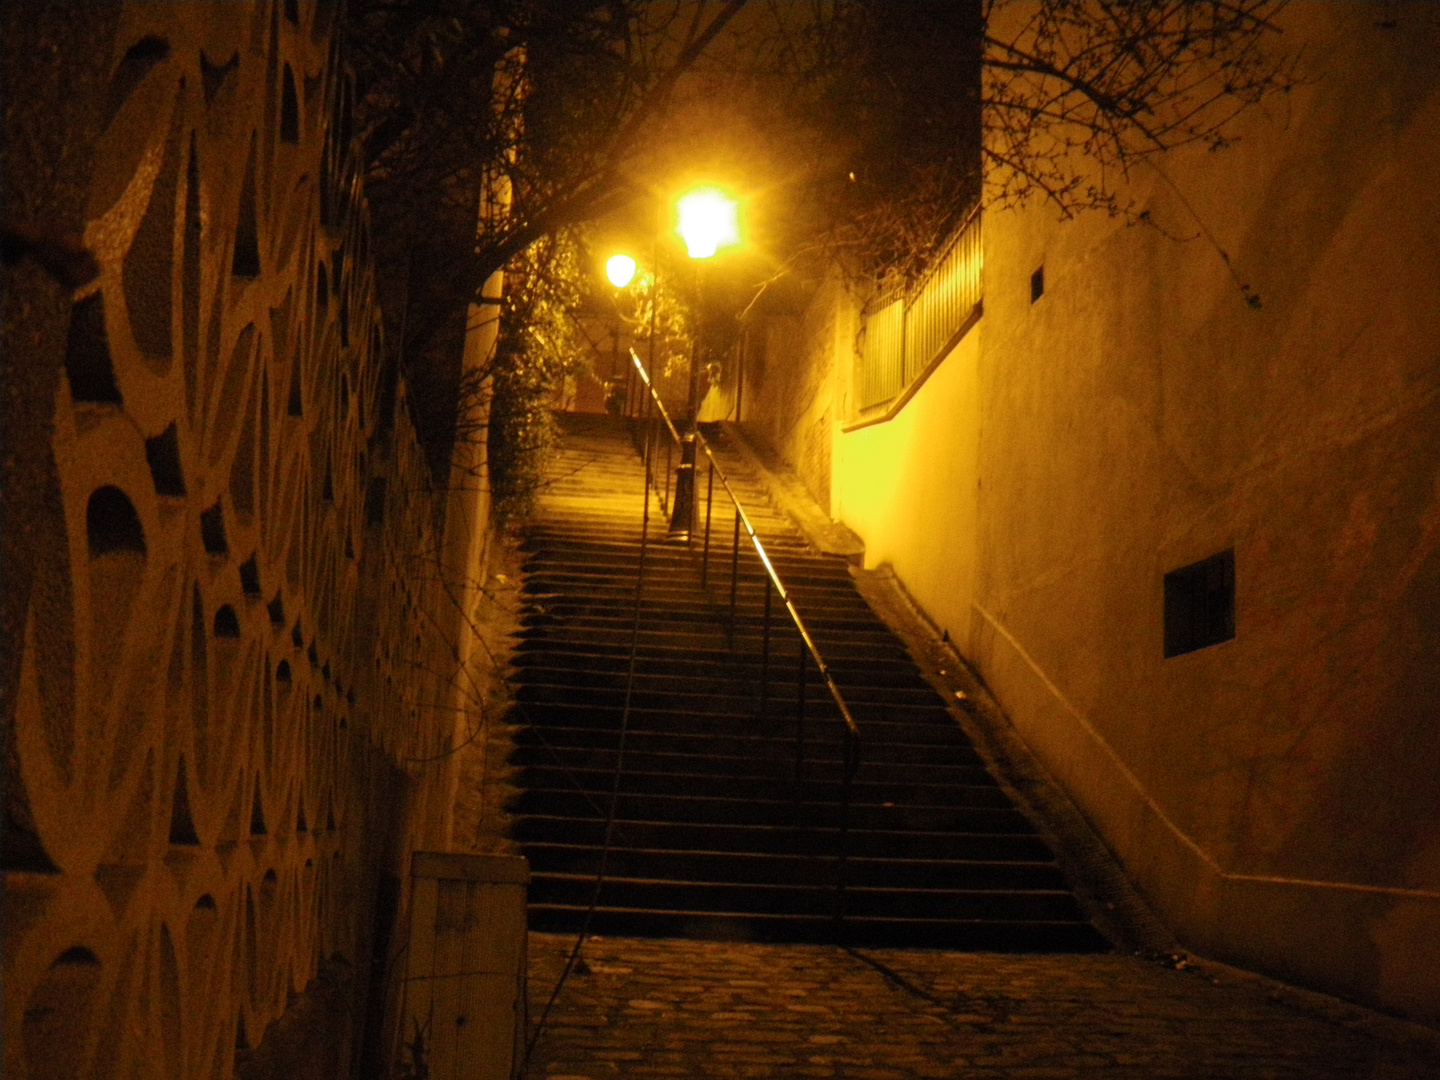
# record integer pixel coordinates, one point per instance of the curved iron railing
(679, 506)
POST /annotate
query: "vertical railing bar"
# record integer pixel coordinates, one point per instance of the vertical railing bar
(689, 522)
(709, 493)
(649, 440)
(734, 574)
(842, 849)
(800, 716)
(765, 654)
(642, 437)
(651, 445)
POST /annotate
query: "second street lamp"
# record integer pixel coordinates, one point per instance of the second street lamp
(620, 270)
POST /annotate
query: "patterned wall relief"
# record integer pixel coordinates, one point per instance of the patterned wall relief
(239, 633)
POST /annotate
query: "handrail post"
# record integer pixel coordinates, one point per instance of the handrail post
(649, 425)
(765, 654)
(656, 470)
(800, 717)
(851, 756)
(734, 574)
(709, 507)
(668, 449)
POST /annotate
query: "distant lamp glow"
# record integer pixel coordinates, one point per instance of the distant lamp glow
(707, 222)
(620, 269)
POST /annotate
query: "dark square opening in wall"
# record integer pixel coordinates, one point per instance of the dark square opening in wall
(1200, 604)
(1037, 284)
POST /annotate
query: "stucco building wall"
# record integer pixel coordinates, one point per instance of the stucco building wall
(230, 629)
(792, 382)
(908, 487)
(1274, 794)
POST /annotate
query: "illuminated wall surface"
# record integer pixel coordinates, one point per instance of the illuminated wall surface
(1275, 793)
(788, 397)
(215, 542)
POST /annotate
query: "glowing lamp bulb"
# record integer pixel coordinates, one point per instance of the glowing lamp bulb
(620, 269)
(707, 222)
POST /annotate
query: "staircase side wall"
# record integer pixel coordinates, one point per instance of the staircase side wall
(1274, 794)
(227, 705)
(909, 488)
(788, 398)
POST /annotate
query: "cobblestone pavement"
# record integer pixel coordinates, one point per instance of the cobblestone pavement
(695, 1008)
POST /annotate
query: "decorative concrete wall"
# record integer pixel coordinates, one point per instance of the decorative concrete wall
(1274, 794)
(228, 712)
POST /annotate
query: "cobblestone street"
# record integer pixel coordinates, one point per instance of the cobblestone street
(693, 1008)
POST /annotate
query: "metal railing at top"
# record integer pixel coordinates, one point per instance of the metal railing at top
(679, 505)
(904, 331)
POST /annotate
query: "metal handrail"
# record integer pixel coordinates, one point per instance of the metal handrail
(771, 572)
(773, 584)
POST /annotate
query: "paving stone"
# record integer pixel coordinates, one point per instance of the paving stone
(695, 1008)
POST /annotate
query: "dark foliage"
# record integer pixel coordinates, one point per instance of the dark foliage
(526, 108)
(891, 119)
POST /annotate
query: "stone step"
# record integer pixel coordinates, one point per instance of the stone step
(721, 822)
(782, 868)
(975, 935)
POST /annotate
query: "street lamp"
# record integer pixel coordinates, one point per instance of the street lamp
(620, 272)
(620, 269)
(707, 219)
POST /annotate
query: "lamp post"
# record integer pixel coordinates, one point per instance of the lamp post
(707, 220)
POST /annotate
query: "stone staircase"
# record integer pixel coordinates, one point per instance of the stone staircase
(720, 829)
